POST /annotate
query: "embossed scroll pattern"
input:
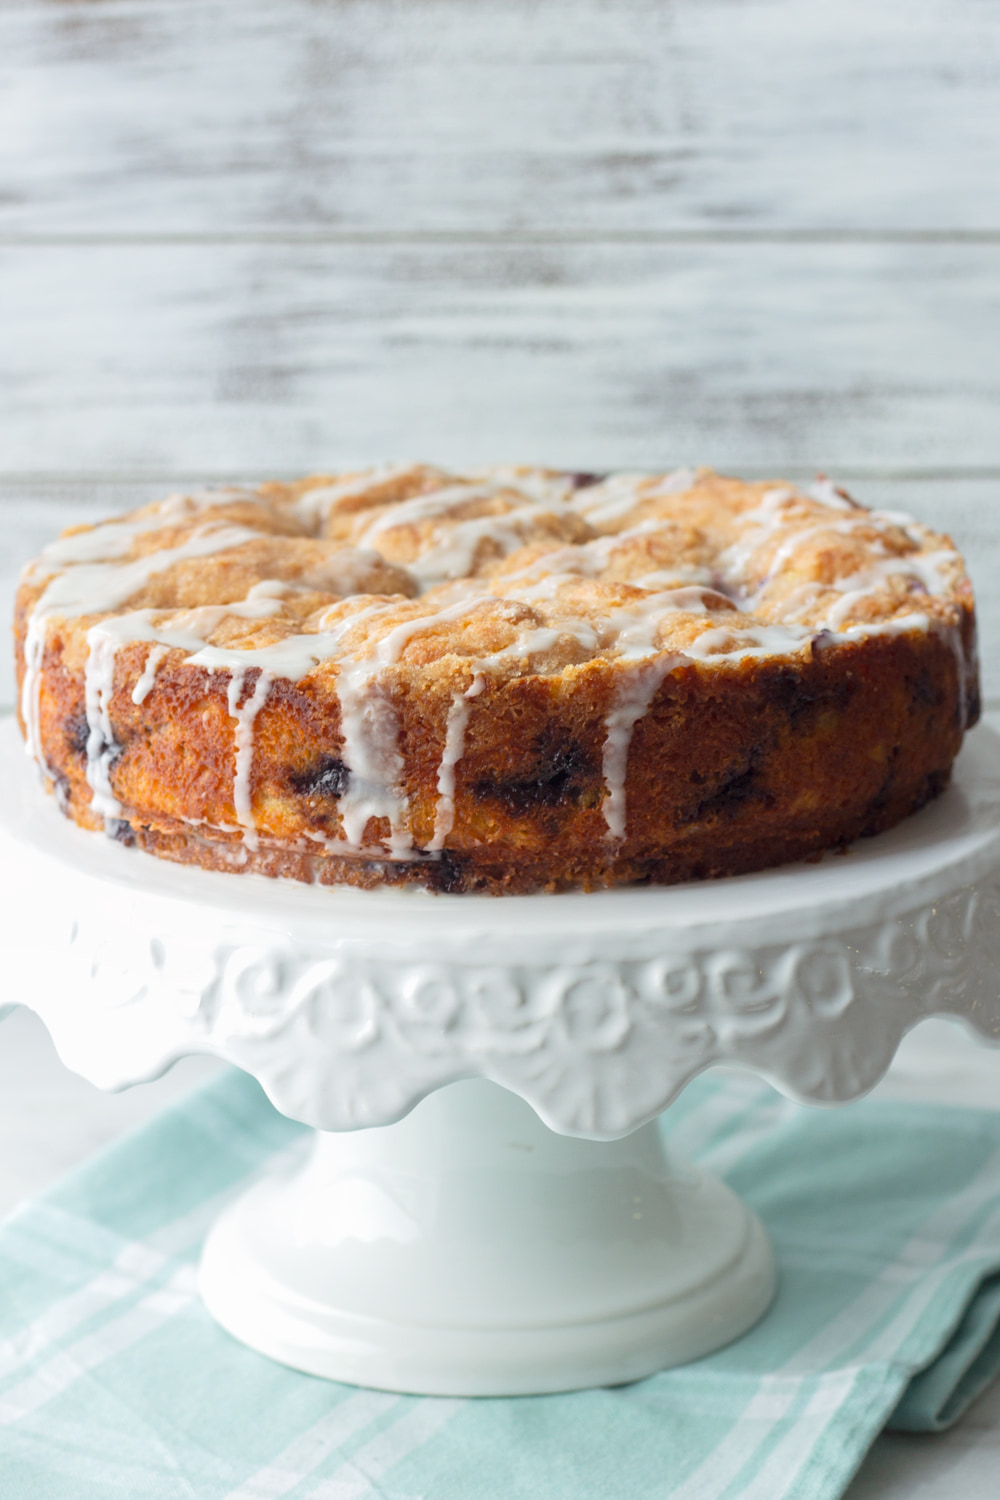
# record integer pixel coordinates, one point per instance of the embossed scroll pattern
(597, 1048)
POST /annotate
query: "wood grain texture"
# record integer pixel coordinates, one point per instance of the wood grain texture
(147, 116)
(31, 514)
(262, 358)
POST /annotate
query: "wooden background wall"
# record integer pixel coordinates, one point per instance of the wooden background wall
(255, 239)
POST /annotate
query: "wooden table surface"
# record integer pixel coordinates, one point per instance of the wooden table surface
(258, 239)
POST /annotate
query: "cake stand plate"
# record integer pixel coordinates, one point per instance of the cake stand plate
(507, 1221)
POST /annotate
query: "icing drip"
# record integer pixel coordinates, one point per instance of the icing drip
(635, 695)
(370, 731)
(31, 684)
(454, 746)
(99, 681)
(147, 677)
(244, 715)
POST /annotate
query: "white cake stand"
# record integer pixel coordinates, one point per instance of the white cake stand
(522, 1229)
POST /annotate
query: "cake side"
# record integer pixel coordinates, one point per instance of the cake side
(507, 685)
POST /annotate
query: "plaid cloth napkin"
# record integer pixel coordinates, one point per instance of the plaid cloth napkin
(115, 1383)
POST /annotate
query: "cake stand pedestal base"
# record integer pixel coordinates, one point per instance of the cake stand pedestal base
(470, 1251)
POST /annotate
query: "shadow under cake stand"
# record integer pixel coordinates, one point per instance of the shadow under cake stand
(488, 1207)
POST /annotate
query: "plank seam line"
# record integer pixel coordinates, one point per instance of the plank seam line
(502, 237)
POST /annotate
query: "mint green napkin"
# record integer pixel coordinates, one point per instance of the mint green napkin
(115, 1383)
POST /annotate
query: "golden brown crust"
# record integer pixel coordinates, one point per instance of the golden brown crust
(685, 624)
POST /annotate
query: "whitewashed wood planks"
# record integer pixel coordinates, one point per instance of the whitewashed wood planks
(197, 116)
(257, 358)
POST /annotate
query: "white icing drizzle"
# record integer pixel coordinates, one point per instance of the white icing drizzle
(922, 568)
(31, 685)
(370, 729)
(455, 556)
(764, 520)
(147, 677)
(612, 498)
(244, 714)
(693, 591)
(635, 693)
(902, 625)
(112, 540)
(546, 487)
(736, 644)
(392, 645)
(454, 748)
(346, 572)
(98, 683)
(315, 504)
(430, 506)
(185, 630)
(771, 504)
(825, 491)
(633, 629)
(787, 551)
(579, 560)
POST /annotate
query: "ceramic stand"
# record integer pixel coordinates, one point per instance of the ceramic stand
(469, 1250)
(459, 1237)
